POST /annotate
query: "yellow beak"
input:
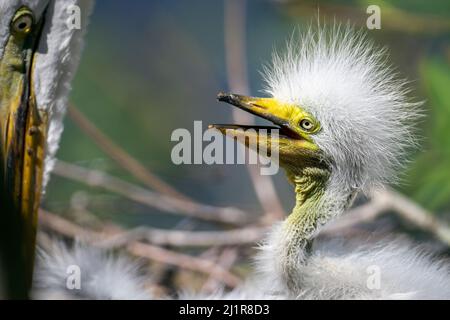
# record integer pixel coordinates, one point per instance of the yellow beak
(266, 108)
(23, 129)
(291, 140)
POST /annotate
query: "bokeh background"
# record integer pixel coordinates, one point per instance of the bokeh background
(150, 67)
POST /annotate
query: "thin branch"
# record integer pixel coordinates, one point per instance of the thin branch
(166, 203)
(414, 213)
(120, 156)
(361, 214)
(235, 55)
(183, 261)
(384, 200)
(226, 260)
(180, 238)
(67, 228)
(140, 249)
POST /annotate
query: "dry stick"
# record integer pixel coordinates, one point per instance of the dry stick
(166, 203)
(226, 260)
(68, 228)
(151, 252)
(122, 158)
(387, 199)
(363, 213)
(234, 24)
(414, 213)
(243, 236)
(382, 200)
(183, 261)
(140, 172)
(180, 238)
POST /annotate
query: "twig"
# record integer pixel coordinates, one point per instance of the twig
(181, 238)
(122, 158)
(140, 249)
(414, 213)
(141, 173)
(226, 260)
(67, 228)
(384, 200)
(166, 203)
(183, 261)
(364, 213)
(238, 83)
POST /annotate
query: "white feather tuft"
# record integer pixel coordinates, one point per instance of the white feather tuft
(59, 56)
(103, 275)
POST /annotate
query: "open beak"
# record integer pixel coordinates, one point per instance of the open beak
(281, 134)
(266, 108)
(285, 138)
(23, 130)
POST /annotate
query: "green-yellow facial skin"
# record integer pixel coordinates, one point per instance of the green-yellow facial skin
(285, 114)
(22, 132)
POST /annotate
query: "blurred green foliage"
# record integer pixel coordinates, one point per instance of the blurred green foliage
(430, 174)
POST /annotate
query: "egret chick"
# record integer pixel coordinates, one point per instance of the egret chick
(345, 123)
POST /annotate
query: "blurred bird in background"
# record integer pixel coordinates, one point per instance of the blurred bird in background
(39, 52)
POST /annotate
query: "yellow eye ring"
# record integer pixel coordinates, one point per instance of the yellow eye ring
(307, 124)
(23, 23)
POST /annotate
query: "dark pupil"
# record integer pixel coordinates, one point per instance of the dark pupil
(22, 25)
(306, 124)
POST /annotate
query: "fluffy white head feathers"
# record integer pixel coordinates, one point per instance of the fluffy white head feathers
(344, 80)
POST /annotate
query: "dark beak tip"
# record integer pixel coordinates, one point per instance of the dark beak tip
(222, 96)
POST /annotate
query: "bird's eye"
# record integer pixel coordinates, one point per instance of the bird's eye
(23, 23)
(306, 124)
